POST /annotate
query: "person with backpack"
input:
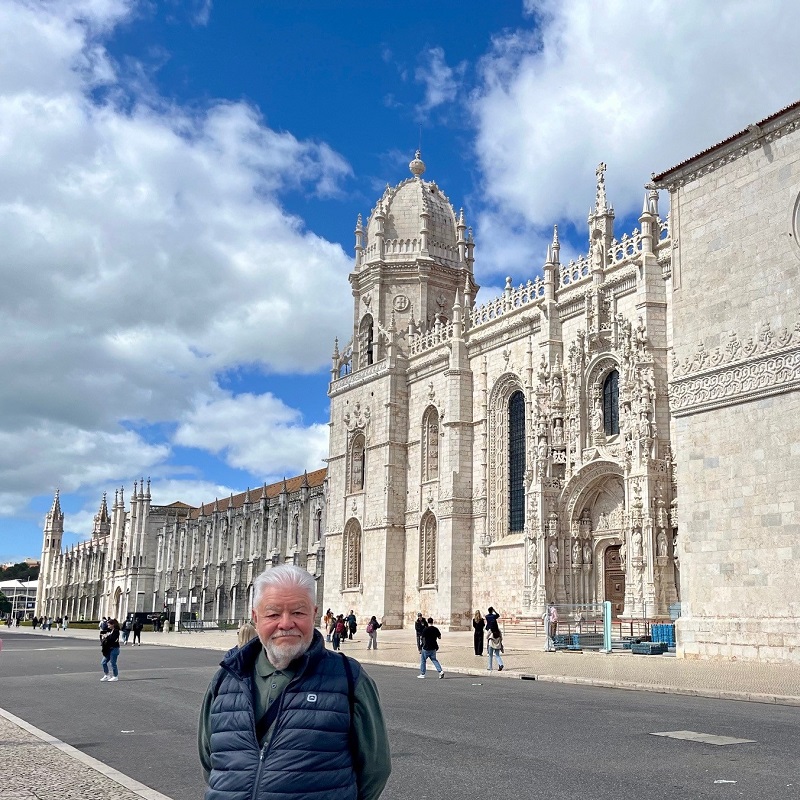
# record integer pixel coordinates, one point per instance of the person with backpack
(419, 627)
(284, 716)
(494, 645)
(136, 627)
(430, 645)
(125, 630)
(338, 632)
(352, 624)
(372, 632)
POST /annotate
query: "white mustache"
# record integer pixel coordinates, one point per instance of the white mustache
(286, 635)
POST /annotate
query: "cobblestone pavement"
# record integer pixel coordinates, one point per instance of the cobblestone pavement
(35, 766)
(77, 776)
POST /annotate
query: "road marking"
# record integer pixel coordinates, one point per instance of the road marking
(703, 738)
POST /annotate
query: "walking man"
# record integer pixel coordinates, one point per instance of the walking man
(419, 626)
(430, 645)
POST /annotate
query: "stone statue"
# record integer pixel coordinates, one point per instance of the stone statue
(641, 338)
(622, 553)
(557, 393)
(587, 552)
(576, 552)
(558, 433)
(662, 543)
(636, 542)
(597, 417)
(553, 552)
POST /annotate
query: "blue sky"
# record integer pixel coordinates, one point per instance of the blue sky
(179, 183)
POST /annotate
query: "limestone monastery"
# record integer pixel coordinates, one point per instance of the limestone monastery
(622, 427)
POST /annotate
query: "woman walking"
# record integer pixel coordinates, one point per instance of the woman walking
(495, 647)
(109, 645)
(478, 627)
(372, 630)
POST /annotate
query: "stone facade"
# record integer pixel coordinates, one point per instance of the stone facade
(735, 391)
(179, 558)
(513, 453)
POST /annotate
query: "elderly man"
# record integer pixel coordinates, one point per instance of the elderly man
(286, 718)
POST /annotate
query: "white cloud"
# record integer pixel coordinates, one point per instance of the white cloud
(145, 250)
(440, 80)
(257, 433)
(641, 87)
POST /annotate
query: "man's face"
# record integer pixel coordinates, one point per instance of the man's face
(284, 619)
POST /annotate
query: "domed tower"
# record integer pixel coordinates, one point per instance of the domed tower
(413, 259)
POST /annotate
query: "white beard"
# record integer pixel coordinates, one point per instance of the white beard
(281, 651)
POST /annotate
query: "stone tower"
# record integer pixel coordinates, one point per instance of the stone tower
(412, 280)
(51, 547)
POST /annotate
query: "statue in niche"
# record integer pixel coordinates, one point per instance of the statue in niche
(602, 521)
(543, 371)
(576, 552)
(557, 393)
(597, 254)
(587, 552)
(636, 543)
(553, 553)
(558, 433)
(622, 553)
(662, 543)
(597, 417)
(533, 561)
(641, 338)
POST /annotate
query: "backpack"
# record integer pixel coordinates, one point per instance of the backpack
(340, 627)
(370, 628)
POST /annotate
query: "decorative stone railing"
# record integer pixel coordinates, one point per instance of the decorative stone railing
(420, 342)
(510, 300)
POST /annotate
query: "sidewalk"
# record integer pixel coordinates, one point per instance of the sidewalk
(524, 657)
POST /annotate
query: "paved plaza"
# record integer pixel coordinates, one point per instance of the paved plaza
(72, 774)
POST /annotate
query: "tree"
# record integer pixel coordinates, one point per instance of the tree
(5, 604)
(20, 572)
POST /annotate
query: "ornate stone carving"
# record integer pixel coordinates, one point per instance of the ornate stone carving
(764, 365)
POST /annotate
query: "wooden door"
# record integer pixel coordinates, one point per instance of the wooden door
(614, 580)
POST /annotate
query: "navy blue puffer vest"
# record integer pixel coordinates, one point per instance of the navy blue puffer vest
(307, 755)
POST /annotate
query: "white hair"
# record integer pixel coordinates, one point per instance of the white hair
(285, 576)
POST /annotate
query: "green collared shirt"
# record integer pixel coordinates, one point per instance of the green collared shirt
(372, 758)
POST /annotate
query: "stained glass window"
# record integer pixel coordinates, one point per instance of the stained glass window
(516, 462)
(611, 403)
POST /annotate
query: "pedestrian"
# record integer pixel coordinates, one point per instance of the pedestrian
(372, 631)
(419, 627)
(246, 632)
(478, 626)
(109, 646)
(65, 623)
(126, 630)
(331, 740)
(332, 626)
(136, 627)
(49, 623)
(339, 629)
(552, 626)
(326, 624)
(352, 624)
(103, 626)
(430, 645)
(491, 618)
(35, 622)
(494, 646)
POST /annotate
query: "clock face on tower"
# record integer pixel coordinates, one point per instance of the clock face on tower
(400, 302)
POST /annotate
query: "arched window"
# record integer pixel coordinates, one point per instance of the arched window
(427, 550)
(430, 445)
(356, 465)
(351, 556)
(318, 525)
(365, 342)
(516, 462)
(611, 403)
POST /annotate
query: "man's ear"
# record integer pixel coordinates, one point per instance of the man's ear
(253, 616)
